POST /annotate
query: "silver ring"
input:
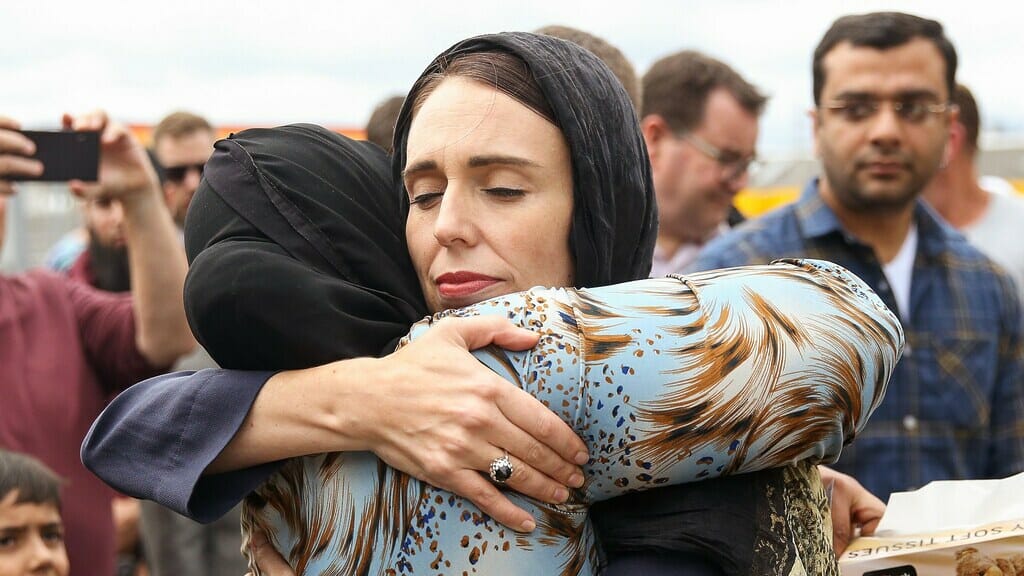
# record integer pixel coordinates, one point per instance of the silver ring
(501, 469)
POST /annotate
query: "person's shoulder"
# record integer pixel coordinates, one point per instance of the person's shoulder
(39, 278)
(755, 241)
(37, 289)
(1007, 205)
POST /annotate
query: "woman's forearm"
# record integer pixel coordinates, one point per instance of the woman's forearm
(300, 412)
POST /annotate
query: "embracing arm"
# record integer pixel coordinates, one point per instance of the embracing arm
(430, 410)
(682, 379)
(159, 438)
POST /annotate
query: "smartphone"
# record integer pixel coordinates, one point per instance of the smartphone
(66, 155)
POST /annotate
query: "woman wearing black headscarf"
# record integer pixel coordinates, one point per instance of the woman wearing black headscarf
(607, 242)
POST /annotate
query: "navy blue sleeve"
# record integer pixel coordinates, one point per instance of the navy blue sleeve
(156, 438)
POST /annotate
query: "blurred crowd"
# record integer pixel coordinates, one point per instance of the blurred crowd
(898, 201)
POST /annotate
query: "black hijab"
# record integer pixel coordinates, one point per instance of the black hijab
(296, 235)
(297, 251)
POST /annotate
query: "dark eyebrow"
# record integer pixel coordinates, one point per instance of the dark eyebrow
(904, 95)
(474, 162)
(421, 166)
(481, 161)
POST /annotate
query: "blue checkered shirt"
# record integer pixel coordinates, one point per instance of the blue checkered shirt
(955, 404)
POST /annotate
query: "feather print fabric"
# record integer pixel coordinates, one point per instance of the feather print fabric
(669, 381)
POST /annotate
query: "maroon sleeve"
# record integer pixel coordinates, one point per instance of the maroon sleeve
(106, 322)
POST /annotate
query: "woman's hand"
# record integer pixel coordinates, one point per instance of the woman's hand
(441, 416)
(855, 511)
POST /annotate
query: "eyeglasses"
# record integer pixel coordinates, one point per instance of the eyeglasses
(177, 174)
(913, 110)
(733, 165)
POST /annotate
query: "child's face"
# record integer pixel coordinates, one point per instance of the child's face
(31, 539)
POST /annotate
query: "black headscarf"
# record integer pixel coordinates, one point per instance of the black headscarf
(296, 235)
(297, 251)
(615, 218)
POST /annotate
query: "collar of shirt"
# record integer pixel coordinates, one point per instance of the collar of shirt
(816, 219)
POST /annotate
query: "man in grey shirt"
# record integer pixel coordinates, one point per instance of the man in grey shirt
(991, 221)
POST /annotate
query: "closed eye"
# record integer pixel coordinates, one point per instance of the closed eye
(505, 192)
(425, 200)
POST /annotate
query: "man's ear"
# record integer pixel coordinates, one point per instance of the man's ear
(954, 143)
(815, 127)
(656, 132)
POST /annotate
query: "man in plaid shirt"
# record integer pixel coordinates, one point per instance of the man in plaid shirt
(955, 404)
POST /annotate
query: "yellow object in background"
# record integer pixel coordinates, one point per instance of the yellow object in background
(752, 202)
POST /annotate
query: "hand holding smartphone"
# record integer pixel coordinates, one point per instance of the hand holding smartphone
(66, 155)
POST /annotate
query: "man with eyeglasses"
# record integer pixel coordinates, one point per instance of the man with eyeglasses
(699, 120)
(954, 408)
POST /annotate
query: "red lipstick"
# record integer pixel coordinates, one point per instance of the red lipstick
(461, 284)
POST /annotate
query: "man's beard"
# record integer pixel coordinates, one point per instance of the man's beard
(850, 192)
(109, 265)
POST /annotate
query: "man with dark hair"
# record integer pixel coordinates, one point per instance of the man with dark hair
(612, 57)
(699, 119)
(380, 128)
(954, 408)
(31, 529)
(104, 261)
(989, 220)
(182, 143)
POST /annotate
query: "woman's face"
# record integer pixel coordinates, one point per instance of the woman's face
(490, 191)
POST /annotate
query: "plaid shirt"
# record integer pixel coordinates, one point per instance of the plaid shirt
(955, 404)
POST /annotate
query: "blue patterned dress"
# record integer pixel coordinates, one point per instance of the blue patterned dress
(668, 381)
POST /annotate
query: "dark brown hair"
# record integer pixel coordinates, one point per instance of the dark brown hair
(969, 116)
(178, 124)
(612, 57)
(34, 482)
(380, 128)
(882, 30)
(507, 73)
(677, 88)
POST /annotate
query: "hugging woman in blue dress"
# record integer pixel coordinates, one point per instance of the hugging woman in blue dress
(519, 163)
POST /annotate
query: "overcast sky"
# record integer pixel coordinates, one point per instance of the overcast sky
(269, 62)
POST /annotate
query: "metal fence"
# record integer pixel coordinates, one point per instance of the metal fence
(36, 218)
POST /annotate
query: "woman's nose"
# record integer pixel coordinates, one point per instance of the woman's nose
(456, 217)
